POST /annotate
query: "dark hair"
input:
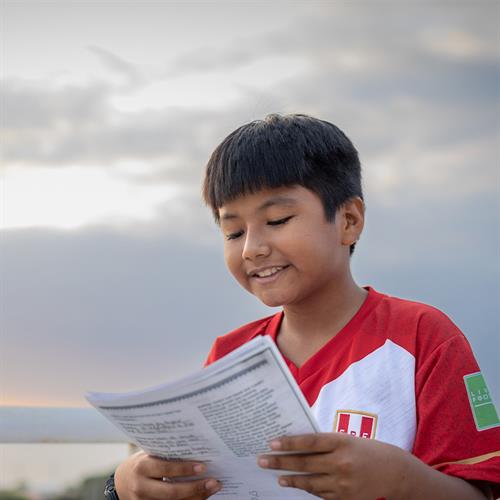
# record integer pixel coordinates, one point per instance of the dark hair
(283, 151)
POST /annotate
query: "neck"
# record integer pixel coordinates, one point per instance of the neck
(323, 316)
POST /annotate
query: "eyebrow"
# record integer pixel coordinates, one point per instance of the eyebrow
(276, 200)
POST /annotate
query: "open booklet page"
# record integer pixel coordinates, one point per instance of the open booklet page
(224, 415)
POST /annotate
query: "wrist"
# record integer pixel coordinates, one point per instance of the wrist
(417, 480)
(406, 467)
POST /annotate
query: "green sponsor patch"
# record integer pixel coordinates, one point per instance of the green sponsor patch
(483, 409)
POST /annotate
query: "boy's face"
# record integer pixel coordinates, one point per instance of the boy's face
(280, 247)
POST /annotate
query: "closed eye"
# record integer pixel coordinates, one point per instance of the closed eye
(233, 236)
(279, 221)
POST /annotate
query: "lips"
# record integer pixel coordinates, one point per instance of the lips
(266, 272)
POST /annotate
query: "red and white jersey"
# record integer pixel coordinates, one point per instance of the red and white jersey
(403, 373)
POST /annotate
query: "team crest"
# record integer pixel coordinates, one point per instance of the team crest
(356, 423)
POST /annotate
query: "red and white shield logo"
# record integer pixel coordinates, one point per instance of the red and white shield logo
(356, 423)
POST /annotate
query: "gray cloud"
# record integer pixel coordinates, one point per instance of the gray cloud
(408, 87)
(155, 302)
(77, 125)
(156, 299)
(213, 58)
(405, 35)
(128, 70)
(414, 92)
(30, 108)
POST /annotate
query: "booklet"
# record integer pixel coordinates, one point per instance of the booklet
(224, 415)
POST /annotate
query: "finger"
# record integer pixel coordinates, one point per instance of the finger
(156, 468)
(202, 487)
(318, 443)
(159, 490)
(320, 462)
(317, 484)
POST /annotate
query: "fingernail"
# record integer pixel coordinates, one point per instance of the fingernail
(263, 462)
(283, 481)
(199, 468)
(275, 445)
(212, 485)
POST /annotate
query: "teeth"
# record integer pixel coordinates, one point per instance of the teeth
(269, 272)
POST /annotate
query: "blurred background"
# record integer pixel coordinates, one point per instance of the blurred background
(112, 276)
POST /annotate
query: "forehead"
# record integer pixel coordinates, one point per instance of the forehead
(290, 196)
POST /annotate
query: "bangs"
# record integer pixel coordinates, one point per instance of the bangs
(275, 152)
(246, 162)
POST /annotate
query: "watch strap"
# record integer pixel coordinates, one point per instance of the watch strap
(109, 489)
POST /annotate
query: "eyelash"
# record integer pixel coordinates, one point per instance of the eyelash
(278, 222)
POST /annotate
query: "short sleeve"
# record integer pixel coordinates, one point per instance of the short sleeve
(458, 430)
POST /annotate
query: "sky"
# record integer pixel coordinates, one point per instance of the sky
(112, 276)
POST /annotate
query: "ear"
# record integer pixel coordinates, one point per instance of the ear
(353, 220)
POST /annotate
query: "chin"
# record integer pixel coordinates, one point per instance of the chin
(272, 301)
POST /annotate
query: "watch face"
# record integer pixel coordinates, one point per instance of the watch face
(110, 494)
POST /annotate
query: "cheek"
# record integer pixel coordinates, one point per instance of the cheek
(315, 251)
(232, 258)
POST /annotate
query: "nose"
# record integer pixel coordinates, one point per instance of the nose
(255, 246)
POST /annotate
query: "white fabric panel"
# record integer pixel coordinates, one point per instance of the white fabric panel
(382, 383)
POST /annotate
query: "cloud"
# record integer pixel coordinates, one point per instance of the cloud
(116, 64)
(76, 124)
(156, 299)
(343, 61)
(420, 115)
(31, 107)
(213, 58)
(95, 292)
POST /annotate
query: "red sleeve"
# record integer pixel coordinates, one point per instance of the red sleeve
(451, 435)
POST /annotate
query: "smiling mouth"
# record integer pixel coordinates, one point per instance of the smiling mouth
(272, 271)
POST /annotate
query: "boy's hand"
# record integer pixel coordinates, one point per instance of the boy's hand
(140, 477)
(338, 466)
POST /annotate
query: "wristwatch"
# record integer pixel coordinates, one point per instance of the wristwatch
(109, 489)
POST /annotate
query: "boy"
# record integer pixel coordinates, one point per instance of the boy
(388, 380)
